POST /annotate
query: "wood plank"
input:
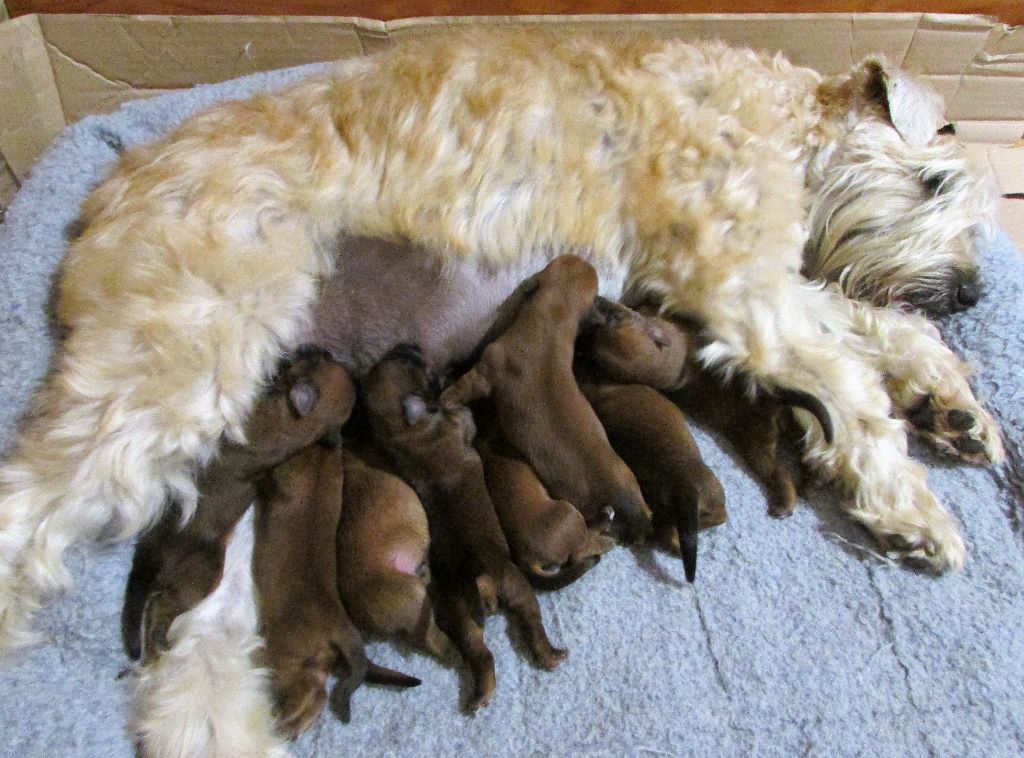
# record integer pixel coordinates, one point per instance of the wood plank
(1007, 11)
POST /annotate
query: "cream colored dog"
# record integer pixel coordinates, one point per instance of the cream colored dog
(703, 175)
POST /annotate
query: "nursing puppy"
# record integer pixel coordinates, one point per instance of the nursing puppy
(383, 542)
(759, 429)
(526, 371)
(623, 345)
(472, 568)
(307, 632)
(175, 566)
(718, 179)
(548, 538)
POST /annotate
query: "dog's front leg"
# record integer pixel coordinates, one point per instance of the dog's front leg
(476, 383)
(925, 380)
(790, 344)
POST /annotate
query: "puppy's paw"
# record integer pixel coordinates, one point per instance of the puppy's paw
(157, 616)
(959, 426)
(552, 658)
(487, 591)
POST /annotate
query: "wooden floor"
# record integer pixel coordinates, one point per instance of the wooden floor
(1008, 11)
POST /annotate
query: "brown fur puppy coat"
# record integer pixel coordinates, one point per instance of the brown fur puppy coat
(383, 543)
(308, 634)
(174, 566)
(526, 370)
(630, 346)
(549, 538)
(469, 556)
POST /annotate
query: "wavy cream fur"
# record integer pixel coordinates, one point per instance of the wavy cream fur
(691, 167)
(205, 697)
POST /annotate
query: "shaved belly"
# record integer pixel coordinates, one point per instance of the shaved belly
(382, 294)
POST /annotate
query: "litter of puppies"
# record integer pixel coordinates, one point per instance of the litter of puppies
(439, 502)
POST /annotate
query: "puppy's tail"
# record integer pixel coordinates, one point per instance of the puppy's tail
(811, 404)
(376, 674)
(688, 523)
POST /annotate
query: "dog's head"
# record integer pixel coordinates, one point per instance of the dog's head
(895, 208)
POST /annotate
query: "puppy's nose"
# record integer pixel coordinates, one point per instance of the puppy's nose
(968, 293)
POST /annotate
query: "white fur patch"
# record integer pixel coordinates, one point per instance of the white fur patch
(205, 696)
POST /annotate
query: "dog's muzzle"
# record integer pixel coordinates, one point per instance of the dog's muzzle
(966, 295)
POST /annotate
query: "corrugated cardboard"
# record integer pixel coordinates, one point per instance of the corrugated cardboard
(55, 69)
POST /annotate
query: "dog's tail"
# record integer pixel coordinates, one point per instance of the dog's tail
(811, 404)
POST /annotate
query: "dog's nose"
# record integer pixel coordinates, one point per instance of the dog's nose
(967, 294)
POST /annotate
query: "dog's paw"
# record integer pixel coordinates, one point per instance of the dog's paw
(938, 547)
(960, 428)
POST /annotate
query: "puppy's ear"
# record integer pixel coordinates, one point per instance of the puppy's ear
(302, 396)
(657, 334)
(415, 409)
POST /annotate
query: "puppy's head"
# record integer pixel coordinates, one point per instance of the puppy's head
(310, 396)
(568, 282)
(896, 209)
(634, 349)
(402, 400)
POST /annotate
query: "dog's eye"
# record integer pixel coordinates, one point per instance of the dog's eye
(948, 129)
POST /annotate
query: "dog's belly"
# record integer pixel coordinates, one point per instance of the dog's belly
(382, 294)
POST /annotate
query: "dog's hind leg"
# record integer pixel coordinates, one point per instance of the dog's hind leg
(143, 389)
(926, 381)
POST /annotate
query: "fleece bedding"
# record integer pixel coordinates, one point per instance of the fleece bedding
(797, 638)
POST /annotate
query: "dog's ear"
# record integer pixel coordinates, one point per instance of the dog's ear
(302, 396)
(914, 110)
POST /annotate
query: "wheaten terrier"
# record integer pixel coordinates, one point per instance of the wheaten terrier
(711, 178)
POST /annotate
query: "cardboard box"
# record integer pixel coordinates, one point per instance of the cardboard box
(55, 69)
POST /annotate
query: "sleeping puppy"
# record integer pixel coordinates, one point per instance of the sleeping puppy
(472, 569)
(174, 566)
(639, 347)
(651, 435)
(383, 540)
(549, 539)
(759, 429)
(526, 369)
(307, 632)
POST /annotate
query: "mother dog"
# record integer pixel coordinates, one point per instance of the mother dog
(700, 175)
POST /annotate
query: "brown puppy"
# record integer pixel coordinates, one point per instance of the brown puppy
(651, 435)
(174, 566)
(383, 541)
(645, 349)
(549, 539)
(527, 371)
(307, 632)
(469, 557)
(758, 428)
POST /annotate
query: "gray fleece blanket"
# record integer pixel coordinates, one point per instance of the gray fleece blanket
(796, 639)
